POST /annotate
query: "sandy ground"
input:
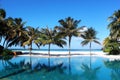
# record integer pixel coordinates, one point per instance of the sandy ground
(73, 54)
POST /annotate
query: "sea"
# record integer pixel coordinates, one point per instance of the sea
(56, 50)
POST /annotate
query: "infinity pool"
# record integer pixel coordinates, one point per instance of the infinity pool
(74, 68)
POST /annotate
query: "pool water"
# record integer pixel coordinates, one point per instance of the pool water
(70, 68)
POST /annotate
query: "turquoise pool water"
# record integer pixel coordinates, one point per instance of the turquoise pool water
(74, 68)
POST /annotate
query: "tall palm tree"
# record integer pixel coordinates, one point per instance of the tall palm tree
(114, 25)
(18, 32)
(89, 36)
(14, 31)
(32, 35)
(49, 37)
(9, 34)
(69, 27)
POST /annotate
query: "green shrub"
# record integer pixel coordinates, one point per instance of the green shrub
(7, 54)
(114, 52)
(106, 49)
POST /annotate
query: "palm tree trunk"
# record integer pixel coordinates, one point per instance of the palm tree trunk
(49, 55)
(30, 56)
(30, 49)
(49, 50)
(69, 45)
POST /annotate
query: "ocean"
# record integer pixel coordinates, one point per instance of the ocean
(55, 50)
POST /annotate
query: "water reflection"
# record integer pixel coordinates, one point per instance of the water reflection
(115, 68)
(89, 73)
(70, 65)
(13, 69)
(70, 68)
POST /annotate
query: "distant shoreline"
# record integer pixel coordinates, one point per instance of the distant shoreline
(57, 49)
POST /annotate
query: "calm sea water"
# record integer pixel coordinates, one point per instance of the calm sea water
(70, 68)
(57, 49)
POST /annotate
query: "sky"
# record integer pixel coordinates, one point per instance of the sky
(42, 13)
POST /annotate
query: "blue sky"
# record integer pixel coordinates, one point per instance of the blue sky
(42, 13)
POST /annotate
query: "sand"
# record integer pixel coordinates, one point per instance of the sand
(58, 54)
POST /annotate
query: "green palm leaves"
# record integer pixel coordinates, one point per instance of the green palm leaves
(31, 37)
(2, 13)
(114, 25)
(16, 31)
(2, 24)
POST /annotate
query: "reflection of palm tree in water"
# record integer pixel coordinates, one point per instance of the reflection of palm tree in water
(18, 68)
(30, 62)
(69, 65)
(89, 73)
(49, 61)
(115, 66)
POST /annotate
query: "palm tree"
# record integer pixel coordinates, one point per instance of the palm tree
(49, 37)
(11, 29)
(2, 22)
(114, 25)
(69, 28)
(2, 14)
(32, 35)
(89, 36)
(16, 31)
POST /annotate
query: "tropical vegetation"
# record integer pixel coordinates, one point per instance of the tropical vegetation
(112, 42)
(14, 32)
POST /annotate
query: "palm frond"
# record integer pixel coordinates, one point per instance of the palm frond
(85, 42)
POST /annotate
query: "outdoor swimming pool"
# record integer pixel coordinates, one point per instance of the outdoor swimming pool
(74, 68)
